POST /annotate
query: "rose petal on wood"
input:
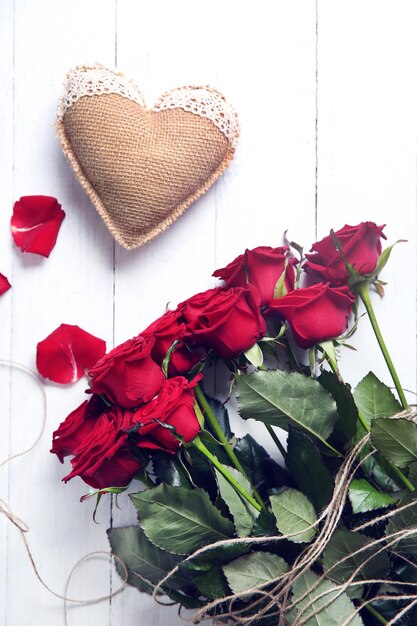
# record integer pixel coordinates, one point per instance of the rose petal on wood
(4, 284)
(35, 224)
(67, 352)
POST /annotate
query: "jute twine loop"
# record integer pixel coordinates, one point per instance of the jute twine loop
(276, 600)
(23, 527)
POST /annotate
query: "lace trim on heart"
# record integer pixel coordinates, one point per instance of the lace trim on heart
(205, 102)
(96, 81)
(202, 101)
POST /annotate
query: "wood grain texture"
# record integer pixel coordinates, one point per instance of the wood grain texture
(327, 102)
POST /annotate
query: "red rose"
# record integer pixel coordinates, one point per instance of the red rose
(128, 375)
(174, 405)
(76, 427)
(166, 330)
(261, 267)
(99, 444)
(361, 246)
(227, 320)
(315, 313)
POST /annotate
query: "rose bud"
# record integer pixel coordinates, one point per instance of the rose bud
(316, 313)
(165, 330)
(361, 246)
(228, 321)
(99, 443)
(174, 406)
(261, 267)
(128, 375)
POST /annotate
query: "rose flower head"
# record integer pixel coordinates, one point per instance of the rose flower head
(165, 330)
(315, 313)
(173, 406)
(361, 247)
(227, 321)
(128, 375)
(261, 267)
(95, 436)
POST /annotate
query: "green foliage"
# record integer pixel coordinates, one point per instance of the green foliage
(310, 597)
(403, 520)
(263, 472)
(176, 521)
(243, 513)
(374, 399)
(347, 555)
(283, 398)
(345, 427)
(364, 497)
(306, 466)
(254, 569)
(396, 439)
(294, 513)
(146, 564)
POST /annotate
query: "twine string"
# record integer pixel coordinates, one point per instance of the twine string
(23, 527)
(275, 600)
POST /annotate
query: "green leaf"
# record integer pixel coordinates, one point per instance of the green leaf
(294, 514)
(215, 556)
(283, 398)
(265, 524)
(364, 497)
(374, 399)
(263, 472)
(396, 439)
(345, 427)
(146, 564)
(383, 259)
(254, 569)
(334, 614)
(405, 520)
(347, 551)
(180, 520)
(213, 583)
(255, 355)
(168, 470)
(280, 288)
(243, 513)
(221, 414)
(308, 470)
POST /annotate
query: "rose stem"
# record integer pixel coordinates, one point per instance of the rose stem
(363, 291)
(212, 419)
(276, 441)
(214, 460)
(375, 613)
(395, 470)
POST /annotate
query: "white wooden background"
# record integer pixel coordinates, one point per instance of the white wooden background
(328, 104)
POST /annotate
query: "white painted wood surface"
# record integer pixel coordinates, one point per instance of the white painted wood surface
(328, 105)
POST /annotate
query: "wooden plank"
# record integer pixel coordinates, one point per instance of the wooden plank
(75, 285)
(6, 169)
(367, 103)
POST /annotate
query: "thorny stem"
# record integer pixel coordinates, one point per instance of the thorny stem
(363, 291)
(230, 479)
(375, 613)
(215, 426)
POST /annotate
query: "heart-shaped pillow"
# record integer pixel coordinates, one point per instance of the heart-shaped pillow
(143, 167)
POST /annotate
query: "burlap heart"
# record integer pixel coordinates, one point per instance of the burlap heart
(143, 167)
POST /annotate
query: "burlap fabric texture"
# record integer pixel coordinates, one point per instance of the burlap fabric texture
(143, 167)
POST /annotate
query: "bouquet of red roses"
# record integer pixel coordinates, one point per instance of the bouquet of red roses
(328, 537)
